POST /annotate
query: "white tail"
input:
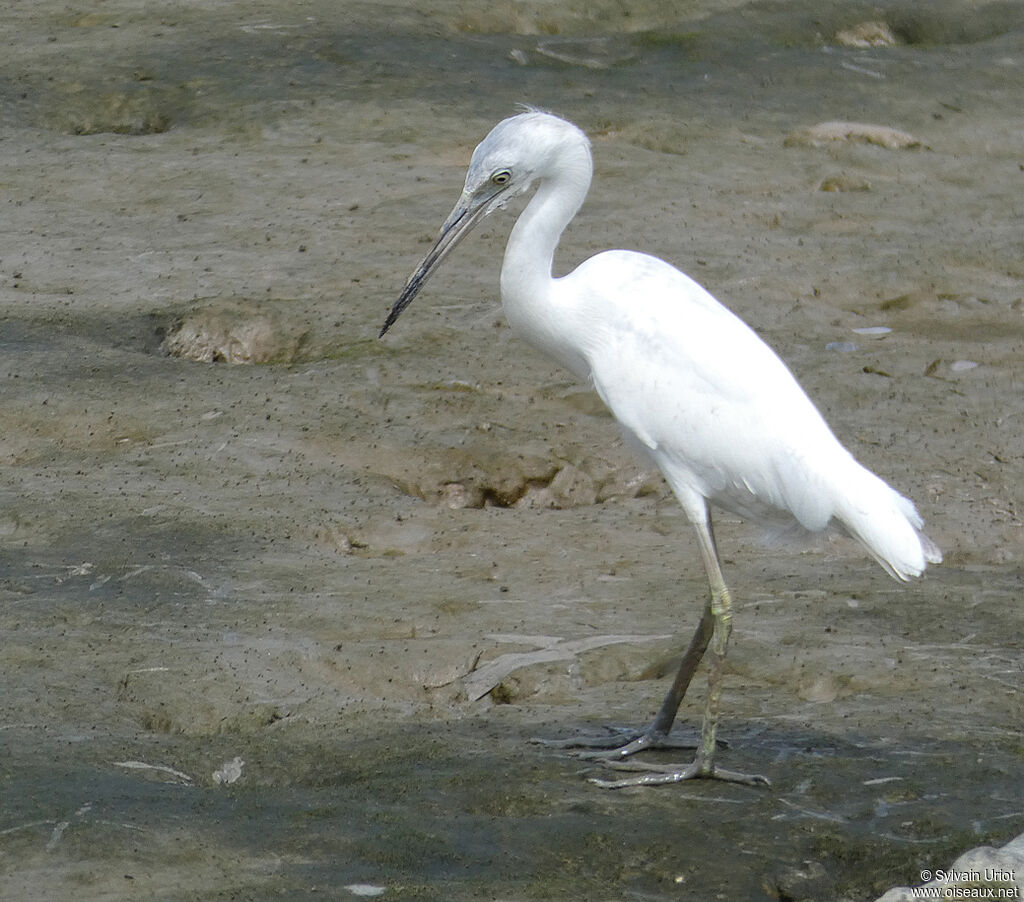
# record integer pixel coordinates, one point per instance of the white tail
(887, 524)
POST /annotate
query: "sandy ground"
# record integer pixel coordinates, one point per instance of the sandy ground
(284, 629)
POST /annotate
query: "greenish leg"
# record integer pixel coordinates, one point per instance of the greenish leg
(703, 766)
(721, 610)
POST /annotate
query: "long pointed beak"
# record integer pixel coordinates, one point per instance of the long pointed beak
(467, 213)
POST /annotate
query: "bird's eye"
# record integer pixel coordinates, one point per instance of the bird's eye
(501, 177)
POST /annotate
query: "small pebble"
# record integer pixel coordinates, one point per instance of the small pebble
(228, 772)
(873, 330)
(365, 889)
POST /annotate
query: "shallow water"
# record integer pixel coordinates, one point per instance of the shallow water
(202, 562)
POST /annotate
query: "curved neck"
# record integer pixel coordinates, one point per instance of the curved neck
(526, 281)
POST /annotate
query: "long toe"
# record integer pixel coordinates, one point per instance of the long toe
(646, 774)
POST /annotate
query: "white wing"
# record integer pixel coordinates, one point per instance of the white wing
(719, 412)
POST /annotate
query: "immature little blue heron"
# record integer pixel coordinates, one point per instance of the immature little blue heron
(690, 383)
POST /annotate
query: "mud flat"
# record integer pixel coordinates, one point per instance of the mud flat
(255, 565)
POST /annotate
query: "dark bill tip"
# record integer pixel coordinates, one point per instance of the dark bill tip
(455, 228)
(393, 315)
(405, 299)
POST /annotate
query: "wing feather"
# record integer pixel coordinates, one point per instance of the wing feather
(716, 408)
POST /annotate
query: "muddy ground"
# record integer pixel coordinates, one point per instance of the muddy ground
(247, 610)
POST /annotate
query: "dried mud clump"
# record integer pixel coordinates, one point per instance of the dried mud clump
(80, 108)
(867, 34)
(843, 183)
(825, 133)
(235, 336)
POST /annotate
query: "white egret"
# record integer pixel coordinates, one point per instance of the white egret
(690, 383)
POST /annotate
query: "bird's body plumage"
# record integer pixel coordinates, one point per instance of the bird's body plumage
(691, 384)
(717, 410)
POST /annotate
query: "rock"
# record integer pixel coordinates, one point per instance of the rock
(229, 772)
(974, 872)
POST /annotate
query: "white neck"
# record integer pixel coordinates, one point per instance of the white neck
(526, 283)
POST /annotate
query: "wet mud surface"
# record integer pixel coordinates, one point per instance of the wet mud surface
(285, 629)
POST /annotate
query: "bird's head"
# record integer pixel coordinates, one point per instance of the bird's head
(515, 153)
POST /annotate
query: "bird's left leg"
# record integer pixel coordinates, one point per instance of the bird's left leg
(703, 766)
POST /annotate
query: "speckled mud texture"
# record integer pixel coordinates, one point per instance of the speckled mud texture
(283, 605)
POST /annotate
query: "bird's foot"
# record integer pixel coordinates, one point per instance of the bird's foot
(658, 774)
(622, 742)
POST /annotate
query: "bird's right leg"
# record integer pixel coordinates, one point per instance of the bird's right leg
(621, 743)
(703, 766)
